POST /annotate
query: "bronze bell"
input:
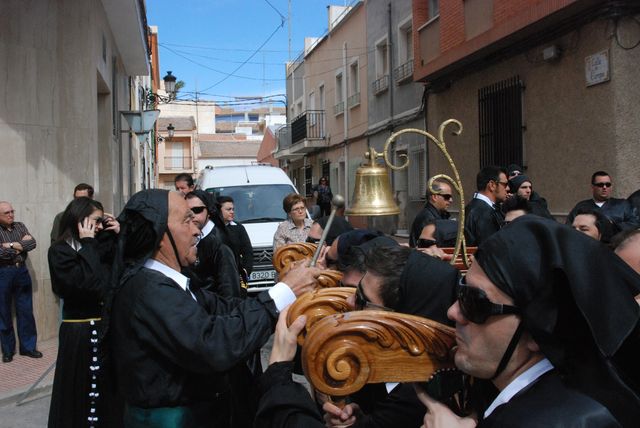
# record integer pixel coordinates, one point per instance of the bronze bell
(372, 195)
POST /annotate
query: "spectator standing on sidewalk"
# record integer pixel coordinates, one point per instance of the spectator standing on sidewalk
(15, 285)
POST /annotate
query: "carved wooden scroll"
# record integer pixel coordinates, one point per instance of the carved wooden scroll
(343, 352)
(459, 262)
(290, 253)
(318, 304)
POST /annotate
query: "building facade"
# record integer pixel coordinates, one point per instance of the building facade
(68, 71)
(550, 85)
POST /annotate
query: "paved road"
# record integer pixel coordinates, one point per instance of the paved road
(33, 413)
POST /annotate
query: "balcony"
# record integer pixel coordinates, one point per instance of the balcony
(308, 132)
(403, 73)
(381, 85)
(353, 100)
(283, 138)
(178, 163)
(338, 109)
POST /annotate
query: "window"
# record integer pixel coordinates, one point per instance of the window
(501, 127)
(354, 85)
(338, 108)
(382, 58)
(434, 8)
(177, 155)
(404, 71)
(308, 181)
(417, 174)
(321, 105)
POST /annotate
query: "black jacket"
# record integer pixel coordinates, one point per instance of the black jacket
(429, 212)
(481, 221)
(216, 267)
(241, 246)
(550, 403)
(620, 212)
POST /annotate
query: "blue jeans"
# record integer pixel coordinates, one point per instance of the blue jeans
(15, 284)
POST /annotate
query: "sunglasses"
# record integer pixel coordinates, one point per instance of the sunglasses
(362, 302)
(198, 210)
(601, 185)
(312, 240)
(425, 243)
(476, 306)
(447, 197)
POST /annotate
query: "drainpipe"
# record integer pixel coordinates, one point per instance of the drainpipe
(390, 52)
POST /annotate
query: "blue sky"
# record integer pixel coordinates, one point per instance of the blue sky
(203, 41)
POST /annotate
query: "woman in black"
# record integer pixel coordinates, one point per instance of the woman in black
(79, 264)
(241, 244)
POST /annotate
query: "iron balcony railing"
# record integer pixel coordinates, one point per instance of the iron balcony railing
(177, 162)
(353, 100)
(404, 72)
(309, 125)
(283, 136)
(338, 108)
(380, 85)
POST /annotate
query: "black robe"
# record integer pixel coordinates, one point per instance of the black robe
(170, 350)
(80, 278)
(549, 403)
(429, 212)
(241, 247)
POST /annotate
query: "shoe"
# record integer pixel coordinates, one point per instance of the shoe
(7, 358)
(31, 354)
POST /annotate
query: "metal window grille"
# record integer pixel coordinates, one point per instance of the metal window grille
(501, 127)
(308, 181)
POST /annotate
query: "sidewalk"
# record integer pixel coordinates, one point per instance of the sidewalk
(17, 376)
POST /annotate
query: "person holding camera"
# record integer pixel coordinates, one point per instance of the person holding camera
(80, 264)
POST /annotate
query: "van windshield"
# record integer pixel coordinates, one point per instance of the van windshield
(256, 203)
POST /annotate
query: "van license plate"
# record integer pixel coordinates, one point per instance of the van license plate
(262, 274)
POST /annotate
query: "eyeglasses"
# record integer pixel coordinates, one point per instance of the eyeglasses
(363, 303)
(504, 183)
(298, 209)
(447, 197)
(601, 185)
(312, 240)
(198, 210)
(476, 306)
(425, 243)
(514, 174)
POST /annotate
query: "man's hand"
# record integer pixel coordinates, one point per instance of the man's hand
(440, 416)
(301, 278)
(336, 417)
(435, 252)
(284, 340)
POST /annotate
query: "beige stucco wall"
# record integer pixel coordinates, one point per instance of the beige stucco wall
(56, 127)
(571, 130)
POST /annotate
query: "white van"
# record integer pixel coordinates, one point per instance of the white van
(257, 192)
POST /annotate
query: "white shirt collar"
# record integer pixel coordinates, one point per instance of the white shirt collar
(485, 199)
(232, 223)
(208, 227)
(171, 273)
(519, 383)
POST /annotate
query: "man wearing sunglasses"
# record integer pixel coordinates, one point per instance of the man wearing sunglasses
(526, 321)
(439, 200)
(483, 216)
(621, 214)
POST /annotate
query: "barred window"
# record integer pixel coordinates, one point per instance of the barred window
(501, 127)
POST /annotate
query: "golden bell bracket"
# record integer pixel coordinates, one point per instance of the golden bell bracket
(372, 195)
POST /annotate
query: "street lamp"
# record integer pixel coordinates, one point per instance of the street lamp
(171, 131)
(170, 84)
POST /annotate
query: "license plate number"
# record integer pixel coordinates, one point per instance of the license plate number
(262, 274)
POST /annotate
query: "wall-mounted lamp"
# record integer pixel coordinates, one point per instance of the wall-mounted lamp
(171, 130)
